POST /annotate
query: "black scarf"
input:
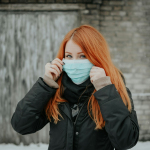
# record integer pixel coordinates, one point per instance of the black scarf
(73, 91)
(76, 94)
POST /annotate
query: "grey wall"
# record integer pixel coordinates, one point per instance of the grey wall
(27, 42)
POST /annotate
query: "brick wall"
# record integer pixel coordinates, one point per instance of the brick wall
(126, 26)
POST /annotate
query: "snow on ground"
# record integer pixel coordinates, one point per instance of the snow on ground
(41, 146)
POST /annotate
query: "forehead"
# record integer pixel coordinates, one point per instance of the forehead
(72, 47)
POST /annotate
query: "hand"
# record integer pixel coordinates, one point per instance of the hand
(96, 72)
(54, 69)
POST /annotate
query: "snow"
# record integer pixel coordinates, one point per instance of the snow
(42, 146)
(39, 146)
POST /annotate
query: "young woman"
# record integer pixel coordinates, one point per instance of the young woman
(83, 97)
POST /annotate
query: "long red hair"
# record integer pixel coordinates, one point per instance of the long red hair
(96, 49)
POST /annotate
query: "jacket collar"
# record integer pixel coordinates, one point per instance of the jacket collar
(76, 93)
(72, 93)
(64, 106)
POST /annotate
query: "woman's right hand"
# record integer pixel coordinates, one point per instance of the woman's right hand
(55, 70)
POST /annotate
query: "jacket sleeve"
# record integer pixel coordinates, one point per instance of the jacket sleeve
(121, 125)
(29, 115)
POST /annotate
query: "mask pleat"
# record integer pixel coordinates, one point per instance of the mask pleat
(77, 70)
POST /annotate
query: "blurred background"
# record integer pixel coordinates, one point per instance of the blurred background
(30, 35)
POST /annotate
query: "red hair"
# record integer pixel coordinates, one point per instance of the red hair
(95, 48)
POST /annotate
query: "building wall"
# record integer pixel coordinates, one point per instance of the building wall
(124, 23)
(126, 26)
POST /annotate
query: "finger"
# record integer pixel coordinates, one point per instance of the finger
(53, 71)
(92, 74)
(55, 64)
(56, 68)
(96, 70)
(93, 70)
(58, 64)
(48, 64)
(92, 79)
(95, 67)
(61, 62)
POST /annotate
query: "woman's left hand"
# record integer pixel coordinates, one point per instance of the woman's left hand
(96, 72)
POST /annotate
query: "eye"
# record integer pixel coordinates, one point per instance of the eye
(80, 56)
(83, 56)
(68, 55)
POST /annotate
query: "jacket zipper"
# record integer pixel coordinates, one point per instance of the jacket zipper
(81, 107)
(79, 112)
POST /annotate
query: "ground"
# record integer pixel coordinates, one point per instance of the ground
(41, 146)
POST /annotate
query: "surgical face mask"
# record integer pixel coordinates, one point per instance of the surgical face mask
(77, 70)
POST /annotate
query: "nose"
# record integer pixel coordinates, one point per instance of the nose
(76, 58)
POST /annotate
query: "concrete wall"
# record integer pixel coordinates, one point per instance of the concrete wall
(27, 42)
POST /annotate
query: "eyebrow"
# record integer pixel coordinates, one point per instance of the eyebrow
(71, 53)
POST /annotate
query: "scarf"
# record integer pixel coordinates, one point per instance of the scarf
(76, 94)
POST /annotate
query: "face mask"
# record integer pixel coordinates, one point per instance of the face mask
(77, 70)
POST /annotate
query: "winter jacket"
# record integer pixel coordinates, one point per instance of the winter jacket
(121, 129)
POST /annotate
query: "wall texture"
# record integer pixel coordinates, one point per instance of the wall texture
(28, 32)
(28, 41)
(126, 26)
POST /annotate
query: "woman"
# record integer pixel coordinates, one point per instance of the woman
(83, 96)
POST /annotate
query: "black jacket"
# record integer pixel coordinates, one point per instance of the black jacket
(121, 129)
